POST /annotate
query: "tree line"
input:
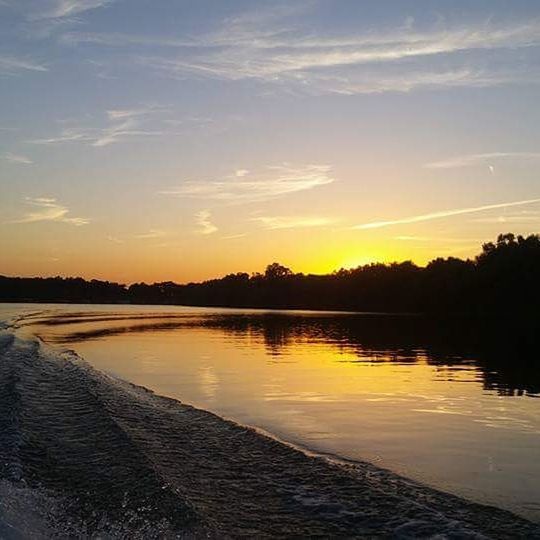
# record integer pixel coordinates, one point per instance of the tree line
(503, 278)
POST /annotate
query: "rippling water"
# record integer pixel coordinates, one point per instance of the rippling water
(452, 406)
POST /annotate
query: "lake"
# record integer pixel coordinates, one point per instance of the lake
(449, 404)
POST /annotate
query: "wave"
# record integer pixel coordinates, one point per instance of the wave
(84, 454)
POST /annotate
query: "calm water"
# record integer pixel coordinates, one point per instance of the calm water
(454, 407)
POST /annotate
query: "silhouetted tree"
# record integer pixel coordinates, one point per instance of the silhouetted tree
(502, 279)
(276, 271)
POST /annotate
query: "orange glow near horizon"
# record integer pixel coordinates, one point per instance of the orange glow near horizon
(211, 258)
(334, 145)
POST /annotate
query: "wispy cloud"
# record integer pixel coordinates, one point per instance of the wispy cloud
(124, 40)
(67, 135)
(122, 125)
(291, 222)
(120, 131)
(250, 27)
(271, 46)
(10, 65)
(55, 9)
(152, 233)
(404, 80)
(124, 114)
(17, 158)
(299, 58)
(343, 80)
(437, 239)
(67, 8)
(272, 182)
(262, 51)
(443, 214)
(486, 158)
(204, 225)
(234, 236)
(525, 216)
(115, 240)
(49, 209)
(42, 19)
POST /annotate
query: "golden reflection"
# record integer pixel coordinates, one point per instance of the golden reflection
(378, 388)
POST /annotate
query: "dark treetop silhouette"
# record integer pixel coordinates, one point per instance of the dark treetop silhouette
(503, 278)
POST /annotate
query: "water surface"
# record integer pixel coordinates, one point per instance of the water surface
(453, 406)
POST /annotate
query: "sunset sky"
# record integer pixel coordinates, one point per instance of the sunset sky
(181, 140)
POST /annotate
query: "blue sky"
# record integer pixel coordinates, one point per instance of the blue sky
(180, 140)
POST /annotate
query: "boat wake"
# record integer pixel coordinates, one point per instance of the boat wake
(85, 455)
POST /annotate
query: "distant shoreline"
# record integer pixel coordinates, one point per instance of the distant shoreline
(502, 279)
(514, 318)
(229, 307)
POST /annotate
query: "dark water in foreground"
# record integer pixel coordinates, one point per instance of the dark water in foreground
(454, 407)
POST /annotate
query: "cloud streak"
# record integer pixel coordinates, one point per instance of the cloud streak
(272, 182)
(49, 209)
(152, 233)
(475, 159)
(274, 51)
(439, 240)
(291, 222)
(17, 158)
(268, 47)
(525, 216)
(122, 125)
(270, 58)
(10, 65)
(36, 10)
(443, 214)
